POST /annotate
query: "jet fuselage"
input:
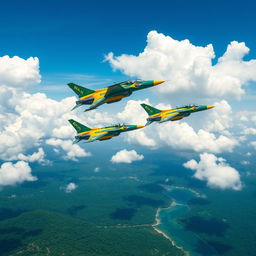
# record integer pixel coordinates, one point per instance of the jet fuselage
(110, 94)
(88, 135)
(172, 114)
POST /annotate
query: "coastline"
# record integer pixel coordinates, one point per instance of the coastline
(166, 187)
(158, 222)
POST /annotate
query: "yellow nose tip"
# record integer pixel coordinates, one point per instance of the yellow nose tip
(140, 126)
(209, 107)
(156, 82)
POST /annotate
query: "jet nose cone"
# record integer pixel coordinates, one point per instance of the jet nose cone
(209, 107)
(140, 126)
(156, 82)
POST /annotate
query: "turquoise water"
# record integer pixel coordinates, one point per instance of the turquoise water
(186, 239)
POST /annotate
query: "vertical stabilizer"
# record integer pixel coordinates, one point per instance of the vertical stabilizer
(80, 90)
(79, 127)
(150, 110)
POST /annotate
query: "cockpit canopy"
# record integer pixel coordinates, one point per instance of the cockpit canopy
(189, 106)
(117, 125)
(128, 82)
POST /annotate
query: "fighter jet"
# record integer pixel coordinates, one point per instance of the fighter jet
(110, 94)
(172, 114)
(105, 133)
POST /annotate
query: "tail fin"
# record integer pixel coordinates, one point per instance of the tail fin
(79, 127)
(150, 110)
(80, 90)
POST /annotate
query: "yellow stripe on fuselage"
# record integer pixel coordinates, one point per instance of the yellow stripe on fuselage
(100, 93)
(170, 112)
(98, 131)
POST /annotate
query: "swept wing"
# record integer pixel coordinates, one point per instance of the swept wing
(113, 89)
(97, 102)
(93, 137)
(174, 115)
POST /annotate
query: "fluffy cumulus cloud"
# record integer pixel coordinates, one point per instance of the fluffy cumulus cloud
(19, 73)
(218, 119)
(73, 151)
(35, 157)
(189, 68)
(11, 174)
(126, 156)
(215, 171)
(251, 131)
(182, 136)
(70, 187)
(133, 113)
(27, 120)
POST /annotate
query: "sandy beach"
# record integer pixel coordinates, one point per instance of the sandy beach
(158, 222)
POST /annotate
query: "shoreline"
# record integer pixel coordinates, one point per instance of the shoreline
(170, 187)
(173, 203)
(158, 222)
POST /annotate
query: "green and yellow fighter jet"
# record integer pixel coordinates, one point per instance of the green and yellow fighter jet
(156, 115)
(104, 133)
(110, 94)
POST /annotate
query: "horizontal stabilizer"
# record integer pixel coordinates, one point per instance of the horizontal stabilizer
(80, 90)
(79, 127)
(76, 106)
(148, 123)
(76, 141)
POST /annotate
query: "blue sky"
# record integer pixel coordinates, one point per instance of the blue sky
(73, 36)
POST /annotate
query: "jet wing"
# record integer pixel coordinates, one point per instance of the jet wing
(172, 116)
(113, 89)
(93, 137)
(96, 103)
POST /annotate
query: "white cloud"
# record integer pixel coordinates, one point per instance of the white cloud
(126, 156)
(134, 114)
(70, 187)
(35, 157)
(180, 135)
(11, 174)
(73, 151)
(188, 68)
(253, 143)
(19, 73)
(96, 169)
(218, 119)
(249, 131)
(244, 162)
(215, 171)
(27, 120)
(34, 117)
